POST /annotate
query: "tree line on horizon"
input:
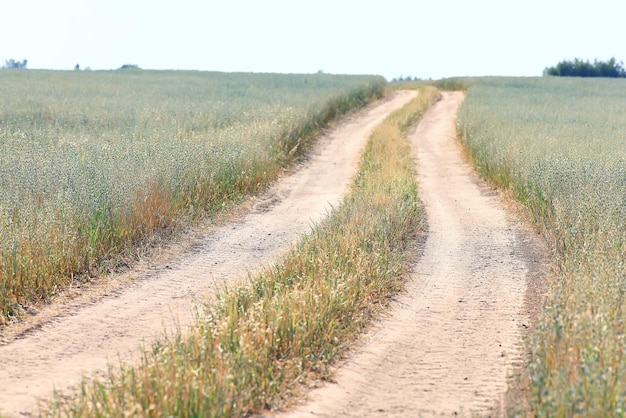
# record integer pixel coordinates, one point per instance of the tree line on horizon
(15, 64)
(12, 63)
(565, 68)
(580, 68)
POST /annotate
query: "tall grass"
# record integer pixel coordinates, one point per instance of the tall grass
(558, 144)
(250, 349)
(93, 163)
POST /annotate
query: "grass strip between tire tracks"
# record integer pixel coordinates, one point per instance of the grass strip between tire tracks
(251, 350)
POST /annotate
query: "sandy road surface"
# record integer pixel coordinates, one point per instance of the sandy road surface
(56, 353)
(448, 344)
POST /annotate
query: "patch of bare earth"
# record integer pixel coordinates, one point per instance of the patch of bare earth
(110, 322)
(451, 341)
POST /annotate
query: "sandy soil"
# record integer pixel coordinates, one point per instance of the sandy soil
(453, 338)
(109, 322)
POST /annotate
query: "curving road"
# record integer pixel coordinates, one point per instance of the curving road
(449, 343)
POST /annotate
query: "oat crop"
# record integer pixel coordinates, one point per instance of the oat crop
(559, 146)
(94, 163)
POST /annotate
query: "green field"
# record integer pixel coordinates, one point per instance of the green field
(95, 163)
(560, 146)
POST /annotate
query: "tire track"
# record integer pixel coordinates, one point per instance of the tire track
(452, 339)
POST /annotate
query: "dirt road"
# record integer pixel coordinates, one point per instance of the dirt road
(112, 324)
(450, 341)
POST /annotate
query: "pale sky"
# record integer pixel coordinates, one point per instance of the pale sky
(422, 38)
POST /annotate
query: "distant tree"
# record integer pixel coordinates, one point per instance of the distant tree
(15, 64)
(611, 68)
(129, 67)
(402, 79)
(580, 68)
